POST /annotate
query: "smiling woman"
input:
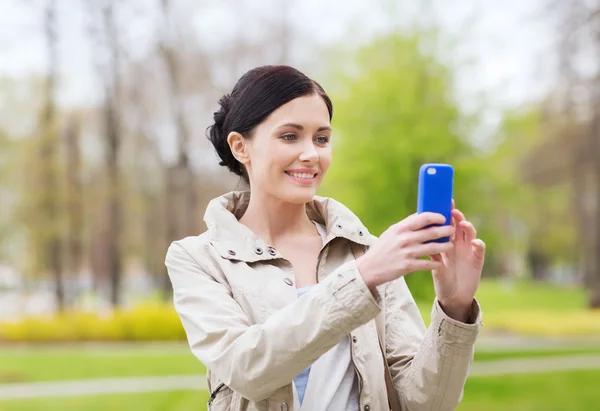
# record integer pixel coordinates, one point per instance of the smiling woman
(282, 297)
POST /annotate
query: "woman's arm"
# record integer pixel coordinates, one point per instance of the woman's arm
(429, 367)
(256, 360)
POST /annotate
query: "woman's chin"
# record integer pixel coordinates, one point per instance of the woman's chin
(299, 195)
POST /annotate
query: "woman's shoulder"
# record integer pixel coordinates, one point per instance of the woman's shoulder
(334, 210)
(196, 247)
(195, 241)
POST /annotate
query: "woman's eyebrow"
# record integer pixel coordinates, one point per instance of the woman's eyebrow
(300, 127)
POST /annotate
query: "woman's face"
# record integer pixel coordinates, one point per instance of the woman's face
(290, 151)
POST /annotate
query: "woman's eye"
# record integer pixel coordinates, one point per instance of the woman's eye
(288, 137)
(323, 140)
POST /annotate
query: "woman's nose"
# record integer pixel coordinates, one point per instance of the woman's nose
(309, 153)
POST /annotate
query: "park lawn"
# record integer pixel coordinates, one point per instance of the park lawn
(502, 296)
(39, 363)
(498, 297)
(528, 308)
(557, 391)
(481, 356)
(163, 401)
(35, 363)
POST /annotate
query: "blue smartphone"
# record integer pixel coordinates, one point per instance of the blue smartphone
(436, 182)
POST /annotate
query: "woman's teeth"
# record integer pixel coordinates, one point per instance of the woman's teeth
(302, 175)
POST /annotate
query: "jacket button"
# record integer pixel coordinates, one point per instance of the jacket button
(288, 281)
(367, 408)
(360, 233)
(272, 251)
(354, 339)
(339, 226)
(258, 250)
(231, 252)
(284, 407)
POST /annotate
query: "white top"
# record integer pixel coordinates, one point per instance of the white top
(332, 383)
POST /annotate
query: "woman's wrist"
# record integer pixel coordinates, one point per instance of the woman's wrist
(458, 311)
(365, 273)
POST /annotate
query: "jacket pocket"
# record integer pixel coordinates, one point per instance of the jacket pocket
(220, 399)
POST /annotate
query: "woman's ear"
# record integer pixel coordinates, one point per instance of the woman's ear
(239, 148)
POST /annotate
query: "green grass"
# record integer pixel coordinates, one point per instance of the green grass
(573, 391)
(502, 296)
(558, 391)
(29, 364)
(503, 355)
(496, 296)
(167, 401)
(528, 308)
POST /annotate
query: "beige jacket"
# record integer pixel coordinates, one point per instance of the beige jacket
(236, 298)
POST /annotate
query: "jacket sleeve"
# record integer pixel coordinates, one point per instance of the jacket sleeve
(257, 359)
(429, 367)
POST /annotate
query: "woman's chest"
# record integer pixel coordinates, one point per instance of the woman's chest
(304, 259)
(262, 288)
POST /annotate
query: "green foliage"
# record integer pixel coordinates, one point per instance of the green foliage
(538, 218)
(521, 307)
(394, 111)
(392, 114)
(10, 156)
(146, 322)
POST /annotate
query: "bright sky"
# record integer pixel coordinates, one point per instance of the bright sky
(504, 49)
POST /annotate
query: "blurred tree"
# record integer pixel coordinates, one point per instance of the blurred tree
(113, 142)
(10, 156)
(48, 230)
(180, 189)
(570, 153)
(532, 206)
(74, 196)
(393, 112)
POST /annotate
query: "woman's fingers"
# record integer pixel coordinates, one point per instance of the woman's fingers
(429, 249)
(478, 248)
(432, 233)
(470, 233)
(418, 221)
(458, 215)
(437, 257)
(425, 265)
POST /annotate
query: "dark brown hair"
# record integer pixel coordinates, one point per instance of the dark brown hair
(257, 94)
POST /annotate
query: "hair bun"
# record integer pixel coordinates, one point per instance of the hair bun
(219, 116)
(218, 136)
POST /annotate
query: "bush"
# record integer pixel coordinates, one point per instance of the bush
(539, 311)
(148, 322)
(544, 323)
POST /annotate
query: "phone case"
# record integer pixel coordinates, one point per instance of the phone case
(436, 183)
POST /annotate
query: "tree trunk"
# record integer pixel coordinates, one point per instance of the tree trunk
(113, 145)
(74, 198)
(594, 282)
(172, 211)
(51, 248)
(185, 177)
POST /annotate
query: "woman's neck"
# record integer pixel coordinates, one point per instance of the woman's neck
(274, 220)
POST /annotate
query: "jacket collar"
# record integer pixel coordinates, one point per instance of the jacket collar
(235, 241)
